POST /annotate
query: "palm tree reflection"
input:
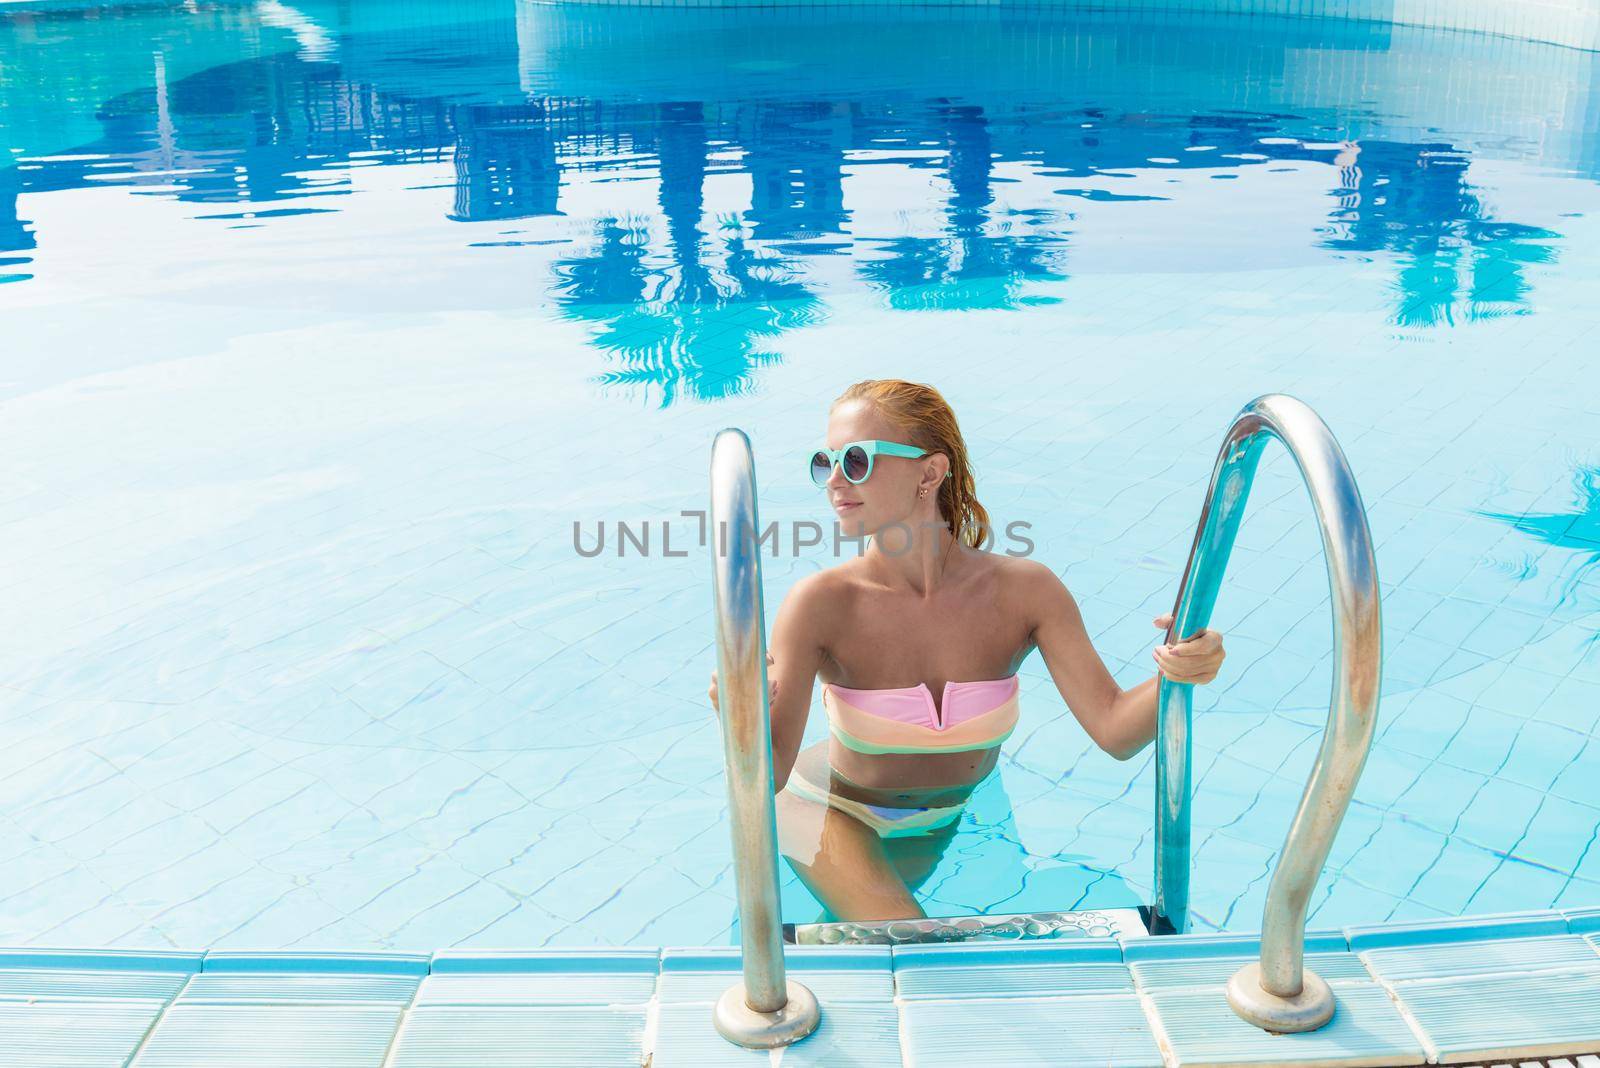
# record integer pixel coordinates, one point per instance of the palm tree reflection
(698, 320)
(1455, 261)
(1577, 530)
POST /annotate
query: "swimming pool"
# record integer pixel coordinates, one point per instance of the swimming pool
(327, 324)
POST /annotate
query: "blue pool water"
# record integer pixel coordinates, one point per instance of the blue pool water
(325, 324)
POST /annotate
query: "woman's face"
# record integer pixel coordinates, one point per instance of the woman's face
(890, 493)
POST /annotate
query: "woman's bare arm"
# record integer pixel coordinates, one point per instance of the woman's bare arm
(795, 652)
(1122, 722)
(798, 646)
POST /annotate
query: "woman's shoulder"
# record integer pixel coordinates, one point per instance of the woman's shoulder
(824, 592)
(1013, 570)
(1027, 585)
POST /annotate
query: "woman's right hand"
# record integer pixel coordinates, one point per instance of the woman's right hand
(772, 688)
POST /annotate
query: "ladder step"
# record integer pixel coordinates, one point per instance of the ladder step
(1102, 923)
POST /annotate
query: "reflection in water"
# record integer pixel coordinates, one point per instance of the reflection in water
(682, 326)
(966, 266)
(505, 163)
(1577, 530)
(16, 233)
(985, 187)
(693, 323)
(1456, 260)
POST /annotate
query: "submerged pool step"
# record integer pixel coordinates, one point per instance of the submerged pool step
(1013, 927)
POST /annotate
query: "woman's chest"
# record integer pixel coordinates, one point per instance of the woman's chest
(892, 642)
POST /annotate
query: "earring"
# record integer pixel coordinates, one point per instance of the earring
(922, 493)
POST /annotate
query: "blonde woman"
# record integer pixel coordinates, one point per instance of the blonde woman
(918, 641)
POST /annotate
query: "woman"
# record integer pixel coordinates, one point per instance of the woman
(918, 641)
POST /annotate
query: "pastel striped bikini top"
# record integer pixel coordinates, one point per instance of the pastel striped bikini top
(973, 715)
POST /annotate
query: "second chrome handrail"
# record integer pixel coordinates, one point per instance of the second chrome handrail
(1278, 993)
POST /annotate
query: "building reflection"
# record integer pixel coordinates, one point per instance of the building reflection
(796, 158)
(16, 233)
(505, 162)
(691, 304)
(967, 264)
(1456, 261)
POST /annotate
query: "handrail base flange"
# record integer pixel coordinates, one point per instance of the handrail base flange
(737, 1022)
(1306, 1011)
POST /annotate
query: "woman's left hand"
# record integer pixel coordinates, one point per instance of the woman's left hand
(1196, 659)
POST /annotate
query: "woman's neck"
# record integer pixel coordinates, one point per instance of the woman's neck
(921, 567)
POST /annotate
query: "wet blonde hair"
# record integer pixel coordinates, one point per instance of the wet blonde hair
(923, 418)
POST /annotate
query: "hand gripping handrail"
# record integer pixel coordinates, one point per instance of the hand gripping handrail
(1278, 993)
(767, 1009)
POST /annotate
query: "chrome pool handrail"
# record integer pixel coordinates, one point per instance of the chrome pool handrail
(1278, 993)
(767, 1009)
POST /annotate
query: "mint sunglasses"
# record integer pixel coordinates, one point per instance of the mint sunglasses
(856, 459)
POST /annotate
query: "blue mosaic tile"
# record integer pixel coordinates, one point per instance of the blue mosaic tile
(564, 977)
(1189, 947)
(1101, 1029)
(835, 974)
(102, 960)
(291, 961)
(1582, 921)
(1201, 1028)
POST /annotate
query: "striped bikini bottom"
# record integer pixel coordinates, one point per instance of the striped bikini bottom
(888, 821)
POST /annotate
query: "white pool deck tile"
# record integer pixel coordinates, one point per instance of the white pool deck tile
(1334, 968)
(270, 1035)
(74, 1034)
(1054, 1032)
(1469, 929)
(1021, 970)
(84, 1009)
(1511, 1017)
(1501, 956)
(1509, 986)
(1470, 991)
(284, 978)
(524, 1036)
(285, 1010)
(1198, 1028)
(1160, 964)
(849, 1034)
